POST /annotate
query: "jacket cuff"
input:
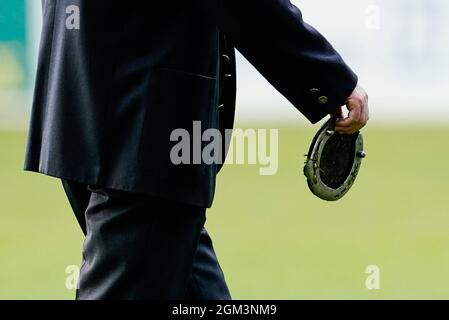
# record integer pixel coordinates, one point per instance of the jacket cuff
(318, 101)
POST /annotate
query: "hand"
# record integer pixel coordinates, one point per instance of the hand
(357, 105)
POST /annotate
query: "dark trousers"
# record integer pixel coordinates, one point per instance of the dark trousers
(143, 247)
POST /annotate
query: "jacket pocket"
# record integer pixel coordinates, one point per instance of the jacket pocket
(174, 100)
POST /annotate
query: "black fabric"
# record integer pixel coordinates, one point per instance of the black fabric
(143, 247)
(337, 159)
(109, 94)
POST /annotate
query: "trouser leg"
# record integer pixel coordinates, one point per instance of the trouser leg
(141, 247)
(207, 280)
(78, 196)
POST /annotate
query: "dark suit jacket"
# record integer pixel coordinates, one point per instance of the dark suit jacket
(109, 93)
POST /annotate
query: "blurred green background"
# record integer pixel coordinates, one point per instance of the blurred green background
(273, 238)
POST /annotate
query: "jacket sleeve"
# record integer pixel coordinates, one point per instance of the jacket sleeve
(294, 57)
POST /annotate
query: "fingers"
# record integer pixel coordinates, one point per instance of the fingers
(353, 122)
(358, 116)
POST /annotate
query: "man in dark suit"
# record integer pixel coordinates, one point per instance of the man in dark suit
(115, 78)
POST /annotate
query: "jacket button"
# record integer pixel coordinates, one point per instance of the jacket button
(226, 57)
(314, 91)
(323, 100)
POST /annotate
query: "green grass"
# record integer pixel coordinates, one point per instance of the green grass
(274, 239)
